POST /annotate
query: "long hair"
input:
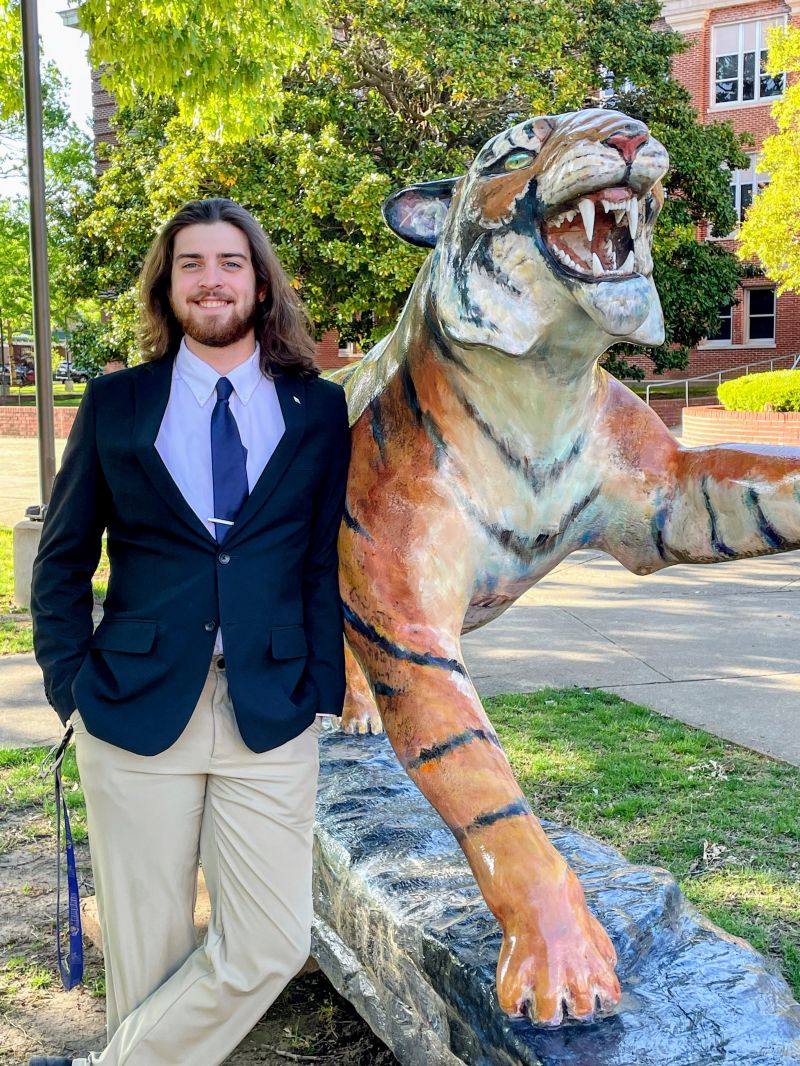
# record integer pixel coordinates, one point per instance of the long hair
(282, 325)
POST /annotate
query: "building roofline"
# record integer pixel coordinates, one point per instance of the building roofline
(689, 16)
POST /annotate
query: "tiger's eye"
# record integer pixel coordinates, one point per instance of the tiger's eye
(517, 160)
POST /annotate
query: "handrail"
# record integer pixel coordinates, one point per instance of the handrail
(795, 357)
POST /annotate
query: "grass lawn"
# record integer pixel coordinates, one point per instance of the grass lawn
(721, 819)
(676, 391)
(26, 396)
(16, 634)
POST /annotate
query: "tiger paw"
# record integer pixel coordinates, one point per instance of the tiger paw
(360, 714)
(557, 961)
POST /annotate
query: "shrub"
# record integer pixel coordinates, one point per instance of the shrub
(778, 390)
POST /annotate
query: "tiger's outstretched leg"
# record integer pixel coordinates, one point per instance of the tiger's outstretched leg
(404, 604)
(360, 714)
(556, 959)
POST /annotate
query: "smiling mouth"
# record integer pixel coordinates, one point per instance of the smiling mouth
(594, 237)
(212, 303)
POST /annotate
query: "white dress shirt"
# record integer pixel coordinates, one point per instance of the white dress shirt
(184, 438)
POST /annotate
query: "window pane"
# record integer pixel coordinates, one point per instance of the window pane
(762, 301)
(749, 76)
(724, 331)
(727, 92)
(749, 31)
(762, 329)
(727, 67)
(746, 200)
(772, 86)
(726, 39)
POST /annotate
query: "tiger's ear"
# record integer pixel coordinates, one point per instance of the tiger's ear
(417, 213)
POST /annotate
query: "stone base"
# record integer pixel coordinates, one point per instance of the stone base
(403, 933)
(27, 535)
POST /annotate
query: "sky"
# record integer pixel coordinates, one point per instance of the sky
(67, 49)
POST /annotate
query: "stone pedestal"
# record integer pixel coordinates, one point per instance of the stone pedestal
(402, 931)
(27, 535)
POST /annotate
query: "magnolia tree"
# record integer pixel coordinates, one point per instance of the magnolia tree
(771, 231)
(388, 93)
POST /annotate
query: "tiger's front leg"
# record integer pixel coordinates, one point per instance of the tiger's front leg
(556, 958)
(360, 713)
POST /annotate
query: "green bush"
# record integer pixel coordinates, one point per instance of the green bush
(778, 390)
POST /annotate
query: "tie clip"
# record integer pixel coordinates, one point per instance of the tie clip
(295, 399)
(220, 521)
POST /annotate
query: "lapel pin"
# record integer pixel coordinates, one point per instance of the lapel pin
(295, 399)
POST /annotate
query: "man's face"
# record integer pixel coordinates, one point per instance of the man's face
(213, 284)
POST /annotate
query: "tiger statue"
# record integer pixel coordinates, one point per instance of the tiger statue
(487, 445)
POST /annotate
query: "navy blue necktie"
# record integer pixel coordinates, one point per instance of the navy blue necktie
(228, 461)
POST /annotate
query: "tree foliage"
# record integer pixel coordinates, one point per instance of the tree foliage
(408, 90)
(222, 63)
(771, 230)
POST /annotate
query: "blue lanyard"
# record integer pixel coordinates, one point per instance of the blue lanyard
(72, 971)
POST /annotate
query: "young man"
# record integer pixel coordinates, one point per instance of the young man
(218, 469)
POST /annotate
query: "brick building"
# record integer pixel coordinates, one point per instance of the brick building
(724, 69)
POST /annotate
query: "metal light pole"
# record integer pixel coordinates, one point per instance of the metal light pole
(39, 277)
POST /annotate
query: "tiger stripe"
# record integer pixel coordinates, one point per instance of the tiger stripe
(436, 752)
(768, 532)
(397, 651)
(516, 809)
(537, 481)
(717, 543)
(378, 429)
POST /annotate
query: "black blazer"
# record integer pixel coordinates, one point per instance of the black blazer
(272, 585)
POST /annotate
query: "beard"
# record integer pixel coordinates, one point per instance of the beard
(215, 331)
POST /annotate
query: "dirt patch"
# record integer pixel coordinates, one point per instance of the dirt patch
(309, 1023)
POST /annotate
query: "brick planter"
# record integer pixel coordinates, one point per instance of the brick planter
(715, 425)
(21, 421)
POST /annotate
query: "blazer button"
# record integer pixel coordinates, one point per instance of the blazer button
(210, 627)
(223, 557)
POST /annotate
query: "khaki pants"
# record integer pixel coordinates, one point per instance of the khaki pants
(249, 817)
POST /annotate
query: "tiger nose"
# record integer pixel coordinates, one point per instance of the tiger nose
(627, 144)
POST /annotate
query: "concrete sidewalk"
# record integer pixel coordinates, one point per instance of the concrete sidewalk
(714, 646)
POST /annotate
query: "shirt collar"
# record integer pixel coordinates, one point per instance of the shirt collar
(202, 378)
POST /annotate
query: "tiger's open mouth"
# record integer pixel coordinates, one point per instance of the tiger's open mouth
(595, 236)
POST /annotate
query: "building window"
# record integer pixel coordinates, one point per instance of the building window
(745, 186)
(725, 321)
(760, 315)
(739, 70)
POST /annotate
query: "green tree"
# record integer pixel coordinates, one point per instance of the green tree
(223, 64)
(408, 90)
(15, 272)
(771, 231)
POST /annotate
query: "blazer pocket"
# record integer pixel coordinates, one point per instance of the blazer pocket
(289, 642)
(132, 635)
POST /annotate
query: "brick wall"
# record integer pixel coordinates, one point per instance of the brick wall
(103, 107)
(328, 352)
(694, 70)
(21, 421)
(671, 411)
(715, 425)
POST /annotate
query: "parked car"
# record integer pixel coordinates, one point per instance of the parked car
(66, 370)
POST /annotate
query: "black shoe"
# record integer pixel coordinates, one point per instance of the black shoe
(49, 1060)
